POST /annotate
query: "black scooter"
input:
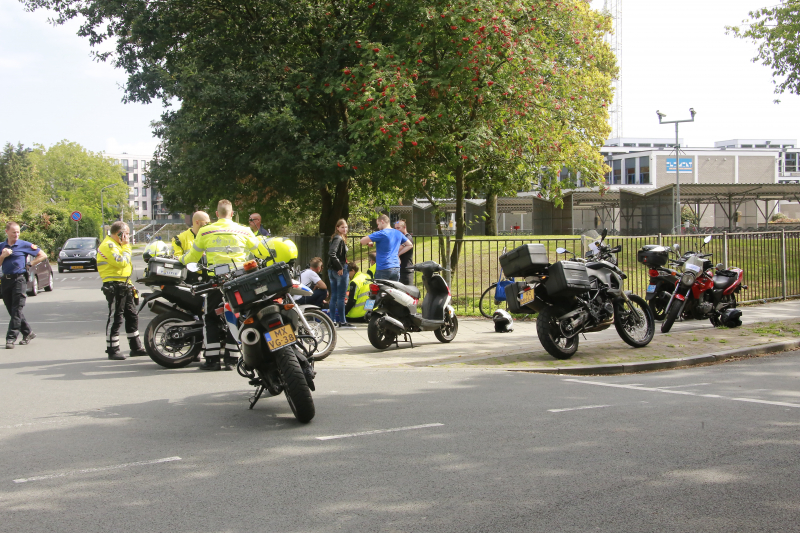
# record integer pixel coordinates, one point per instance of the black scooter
(394, 308)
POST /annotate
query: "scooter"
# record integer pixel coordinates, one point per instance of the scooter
(394, 308)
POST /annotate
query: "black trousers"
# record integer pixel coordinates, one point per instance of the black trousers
(14, 296)
(317, 298)
(211, 331)
(407, 277)
(121, 306)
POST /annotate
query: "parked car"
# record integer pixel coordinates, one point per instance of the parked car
(39, 276)
(78, 253)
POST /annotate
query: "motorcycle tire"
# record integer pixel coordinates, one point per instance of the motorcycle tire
(296, 389)
(658, 308)
(324, 330)
(672, 316)
(621, 320)
(154, 345)
(378, 337)
(557, 346)
(448, 331)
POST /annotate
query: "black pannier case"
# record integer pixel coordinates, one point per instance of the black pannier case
(526, 260)
(653, 255)
(567, 278)
(161, 270)
(244, 290)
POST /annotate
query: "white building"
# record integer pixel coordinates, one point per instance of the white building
(146, 202)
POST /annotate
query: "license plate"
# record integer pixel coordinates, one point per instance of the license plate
(369, 305)
(168, 272)
(527, 297)
(651, 288)
(280, 337)
(693, 267)
(76, 267)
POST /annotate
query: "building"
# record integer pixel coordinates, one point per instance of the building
(146, 202)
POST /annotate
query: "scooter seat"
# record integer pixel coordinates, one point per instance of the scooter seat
(409, 289)
(723, 282)
(412, 291)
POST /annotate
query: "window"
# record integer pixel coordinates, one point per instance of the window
(136, 191)
(617, 171)
(659, 145)
(644, 170)
(791, 162)
(144, 192)
(135, 163)
(136, 178)
(125, 164)
(643, 145)
(630, 170)
(143, 178)
(628, 144)
(144, 164)
(136, 205)
(761, 146)
(144, 206)
(788, 146)
(747, 146)
(130, 179)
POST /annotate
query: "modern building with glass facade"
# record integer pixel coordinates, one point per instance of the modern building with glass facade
(146, 202)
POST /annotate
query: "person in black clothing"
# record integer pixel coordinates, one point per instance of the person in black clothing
(407, 258)
(13, 252)
(337, 273)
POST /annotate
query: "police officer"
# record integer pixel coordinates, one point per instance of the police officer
(223, 242)
(255, 225)
(15, 282)
(115, 268)
(359, 293)
(181, 243)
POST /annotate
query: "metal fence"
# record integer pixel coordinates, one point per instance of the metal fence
(770, 260)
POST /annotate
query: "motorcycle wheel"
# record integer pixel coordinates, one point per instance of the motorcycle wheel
(378, 337)
(636, 335)
(155, 343)
(672, 316)
(549, 335)
(658, 308)
(448, 331)
(295, 385)
(323, 331)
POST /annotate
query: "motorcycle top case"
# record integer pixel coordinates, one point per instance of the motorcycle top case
(249, 288)
(161, 270)
(567, 278)
(653, 255)
(526, 260)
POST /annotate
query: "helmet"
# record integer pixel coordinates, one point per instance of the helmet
(503, 323)
(731, 318)
(156, 248)
(282, 249)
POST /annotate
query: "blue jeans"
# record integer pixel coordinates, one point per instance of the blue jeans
(392, 274)
(338, 291)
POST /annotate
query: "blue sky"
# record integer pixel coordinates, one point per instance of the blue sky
(675, 56)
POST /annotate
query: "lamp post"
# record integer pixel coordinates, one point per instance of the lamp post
(676, 218)
(102, 207)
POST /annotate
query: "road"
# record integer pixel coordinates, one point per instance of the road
(89, 444)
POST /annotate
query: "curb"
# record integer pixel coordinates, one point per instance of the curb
(645, 366)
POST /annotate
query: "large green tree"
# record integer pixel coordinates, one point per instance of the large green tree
(20, 185)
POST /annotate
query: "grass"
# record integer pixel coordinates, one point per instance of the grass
(772, 330)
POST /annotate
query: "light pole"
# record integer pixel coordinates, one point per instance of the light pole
(676, 218)
(102, 207)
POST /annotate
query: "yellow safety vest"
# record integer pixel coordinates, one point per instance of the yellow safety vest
(362, 283)
(181, 243)
(371, 271)
(114, 261)
(223, 242)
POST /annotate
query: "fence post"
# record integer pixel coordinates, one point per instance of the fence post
(725, 250)
(784, 278)
(448, 274)
(583, 245)
(660, 240)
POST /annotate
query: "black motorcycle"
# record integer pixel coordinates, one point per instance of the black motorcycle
(662, 277)
(575, 296)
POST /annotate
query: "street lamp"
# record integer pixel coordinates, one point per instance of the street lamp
(676, 219)
(102, 206)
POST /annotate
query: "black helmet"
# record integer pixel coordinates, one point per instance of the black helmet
(503, 323)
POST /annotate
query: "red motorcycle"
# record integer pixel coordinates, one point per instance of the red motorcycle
(704, 291)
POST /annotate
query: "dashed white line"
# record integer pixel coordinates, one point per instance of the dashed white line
(683, 392)
(99, 469)
(377, 431)
(687, 385)
(577, 408)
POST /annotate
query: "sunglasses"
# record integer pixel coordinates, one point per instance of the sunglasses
(253, 219)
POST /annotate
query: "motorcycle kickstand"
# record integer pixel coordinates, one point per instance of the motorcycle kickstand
(254, 399)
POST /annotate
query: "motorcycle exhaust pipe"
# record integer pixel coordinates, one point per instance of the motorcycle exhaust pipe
(159, 307)
(393, 325)
(251, 347)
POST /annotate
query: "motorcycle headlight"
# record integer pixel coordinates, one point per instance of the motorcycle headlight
(688, 278)
(62, 255)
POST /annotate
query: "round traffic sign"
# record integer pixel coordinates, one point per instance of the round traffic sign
(76, 216)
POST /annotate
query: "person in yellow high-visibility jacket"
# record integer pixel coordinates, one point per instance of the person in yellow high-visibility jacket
(223, 242)
(182, 242)
(115, 269)
(359, 293)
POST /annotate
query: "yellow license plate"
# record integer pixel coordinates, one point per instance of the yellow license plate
(278, 338)
(76, 267)
(527, 297)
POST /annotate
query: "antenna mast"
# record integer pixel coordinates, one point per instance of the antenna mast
(613, 9)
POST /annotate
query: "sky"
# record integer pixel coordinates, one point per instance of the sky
(675, 55)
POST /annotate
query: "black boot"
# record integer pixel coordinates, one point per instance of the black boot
(230, 363)
(212, 363)
(117, 356)
(137, 350)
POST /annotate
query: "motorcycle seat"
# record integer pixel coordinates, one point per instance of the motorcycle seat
(722, 282)
(408, 289)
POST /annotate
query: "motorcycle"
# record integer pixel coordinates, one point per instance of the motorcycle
(394, 308)
(701, 293)
(571, 297)
(260, 312)
(662, 277)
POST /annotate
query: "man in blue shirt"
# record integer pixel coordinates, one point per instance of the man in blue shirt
(14, 286)
(390, 244)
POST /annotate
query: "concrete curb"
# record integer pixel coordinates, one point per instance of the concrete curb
(645, 366)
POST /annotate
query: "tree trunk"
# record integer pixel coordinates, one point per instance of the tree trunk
(491, 214)
(335, 204)
(460, 222)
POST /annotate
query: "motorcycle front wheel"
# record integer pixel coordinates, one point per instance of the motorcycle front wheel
(448, 331)
(672, 315)
(295, 385)
(379, 337)
(550, 335)
(165, 353)
(635, 324)
(323, 331)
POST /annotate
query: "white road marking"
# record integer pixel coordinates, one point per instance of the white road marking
(53, 421)
(687, 385)
(683, 392)
(577, 408)
(99, 469)
(377, 431)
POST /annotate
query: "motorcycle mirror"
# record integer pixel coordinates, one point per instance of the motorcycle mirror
(603, 235)
(192, 267)
(707, 239)
(720, 266)
(676, 247)
(560, 250)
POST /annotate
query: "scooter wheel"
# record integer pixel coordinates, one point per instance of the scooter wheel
(379, 337)
(448, 331)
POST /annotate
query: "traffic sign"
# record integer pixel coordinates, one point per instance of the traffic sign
(76, 216)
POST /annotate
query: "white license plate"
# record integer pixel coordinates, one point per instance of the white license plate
(168, 272)
(527, 297)
(369, 305)
(280, 337)
(693, 267)
(651, 288)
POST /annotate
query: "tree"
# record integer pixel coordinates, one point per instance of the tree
(774, 29)
(20, 186)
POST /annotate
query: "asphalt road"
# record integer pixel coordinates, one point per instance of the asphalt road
(89, 444)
